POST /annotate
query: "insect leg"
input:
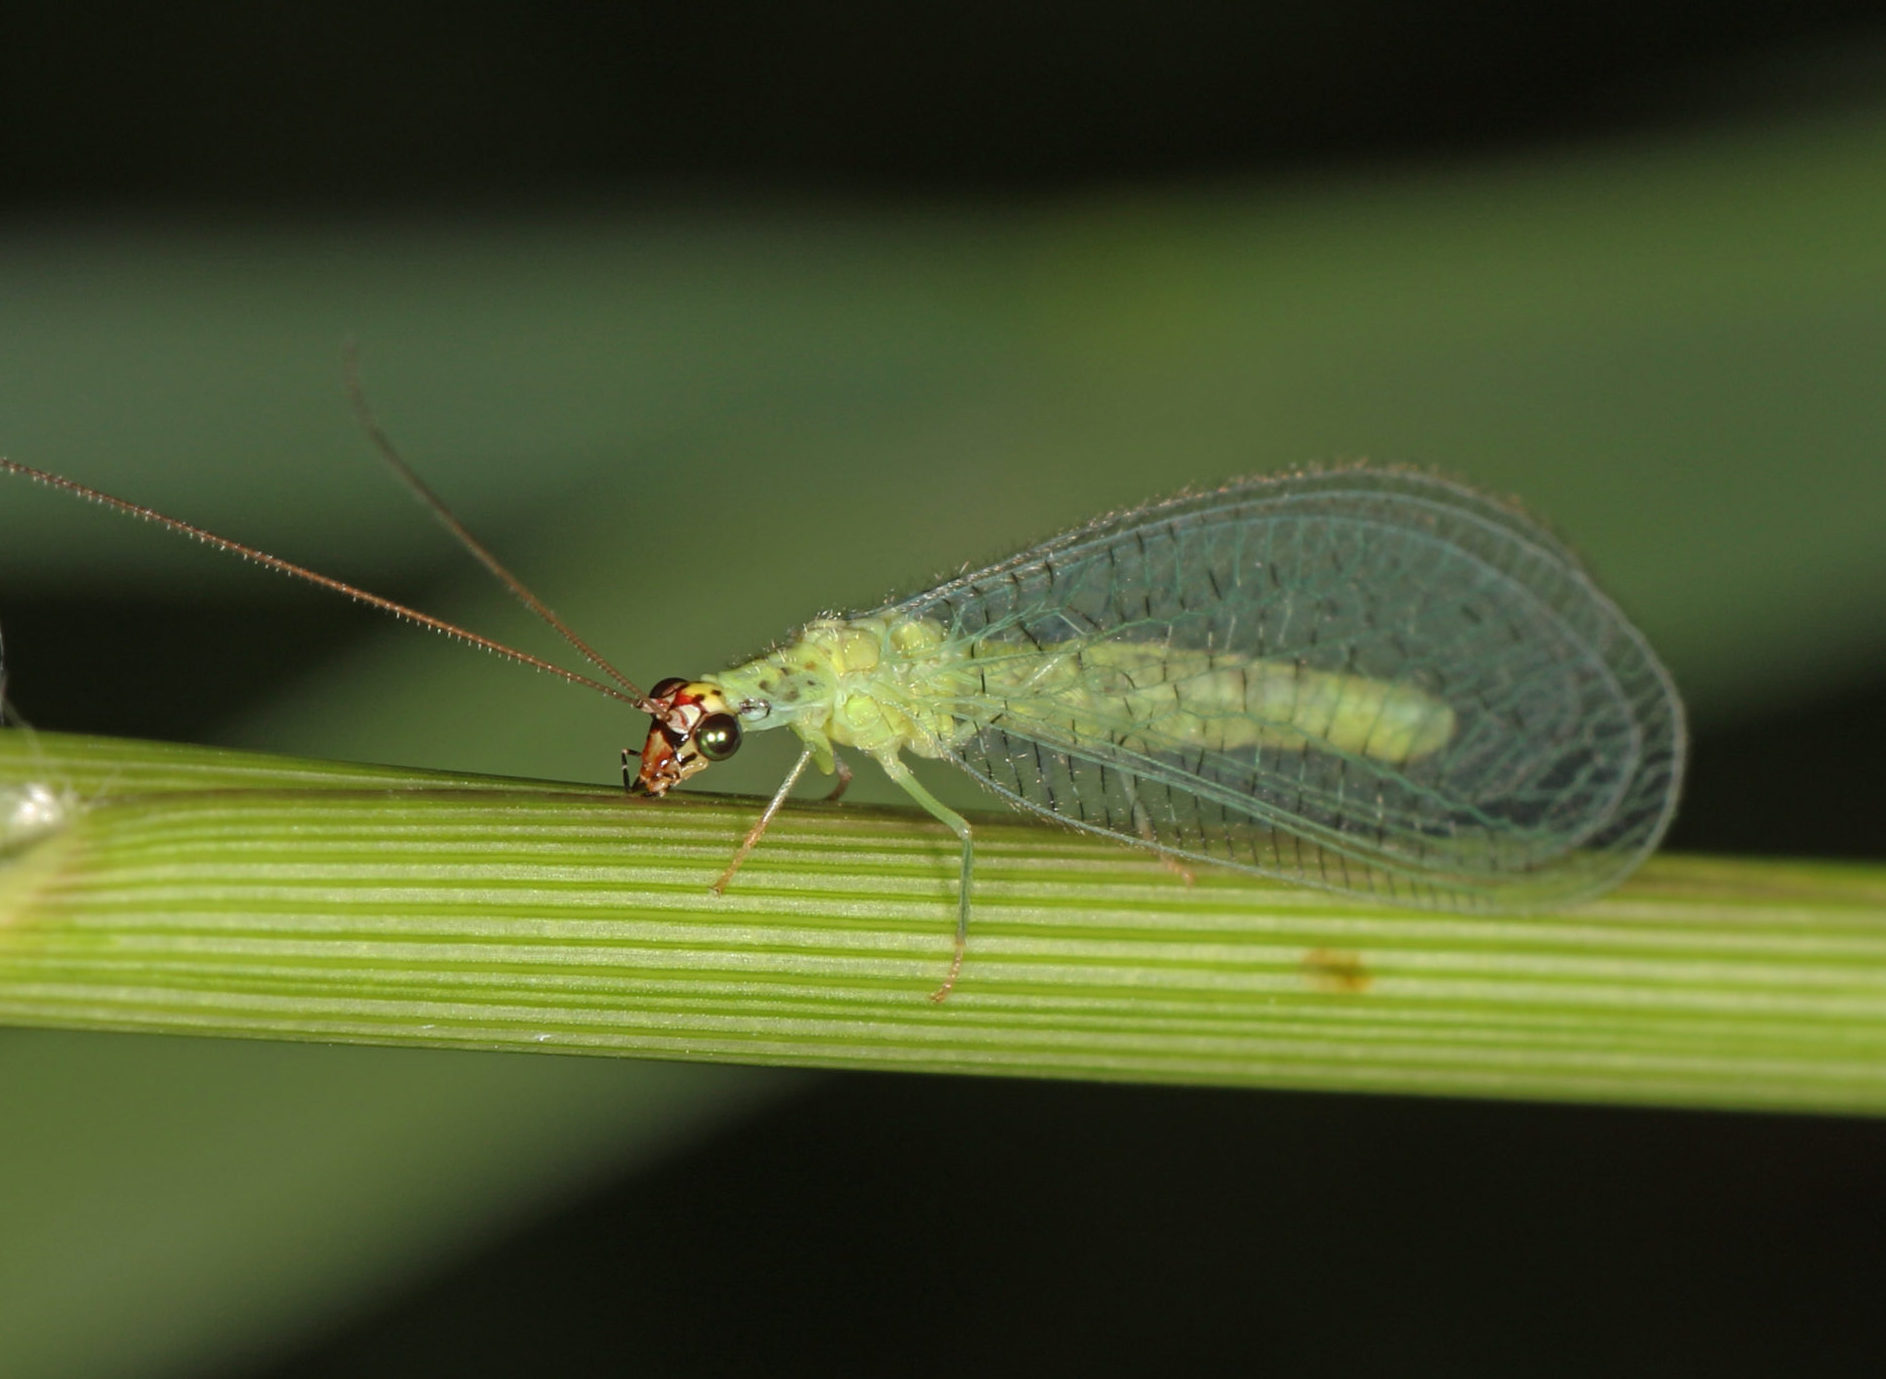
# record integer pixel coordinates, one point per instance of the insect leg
(957, 824)
(844, 779)
(766, 817)
(1143, 825)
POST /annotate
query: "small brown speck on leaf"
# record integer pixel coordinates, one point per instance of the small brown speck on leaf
(1337, 970)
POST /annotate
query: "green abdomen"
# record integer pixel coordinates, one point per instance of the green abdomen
(1126, 692)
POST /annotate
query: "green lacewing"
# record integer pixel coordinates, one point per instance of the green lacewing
(1369, 680)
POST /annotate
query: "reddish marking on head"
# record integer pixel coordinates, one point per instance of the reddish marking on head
(669, 755)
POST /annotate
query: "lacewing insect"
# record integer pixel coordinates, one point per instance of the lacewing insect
(1368, 680)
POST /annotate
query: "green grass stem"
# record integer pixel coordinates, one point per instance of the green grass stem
(196, 890)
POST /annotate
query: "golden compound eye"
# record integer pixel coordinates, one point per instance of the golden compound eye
(718, 736)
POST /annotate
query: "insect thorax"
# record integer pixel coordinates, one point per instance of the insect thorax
(870, 682)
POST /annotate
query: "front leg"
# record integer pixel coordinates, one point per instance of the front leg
(752, 839)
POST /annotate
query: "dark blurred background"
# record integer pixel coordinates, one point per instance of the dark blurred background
(933, 1225)
(349, 105)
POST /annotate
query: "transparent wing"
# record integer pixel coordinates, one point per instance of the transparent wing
(1375, 681)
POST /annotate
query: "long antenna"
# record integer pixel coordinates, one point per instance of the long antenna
(301, 572)
(350, 359)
